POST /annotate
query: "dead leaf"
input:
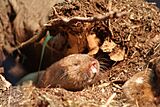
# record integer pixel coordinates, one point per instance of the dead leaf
(108, 46)
(117, 55)
(57, 42)
(1, 70)
(93, 42)
(73, 43)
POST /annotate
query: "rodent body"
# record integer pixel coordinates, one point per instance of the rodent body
(73, 72)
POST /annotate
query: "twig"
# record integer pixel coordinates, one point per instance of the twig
(36, 37)
(9, 99)
(109, 100)
(67, 21)
(55, 12)
(109, 21)
(55, 23)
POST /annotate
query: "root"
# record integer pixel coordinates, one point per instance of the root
(55, 23)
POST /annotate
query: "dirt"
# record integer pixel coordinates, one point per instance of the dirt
(137, 33)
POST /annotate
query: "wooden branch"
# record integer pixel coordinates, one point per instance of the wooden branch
(67, 21)
(54, 23)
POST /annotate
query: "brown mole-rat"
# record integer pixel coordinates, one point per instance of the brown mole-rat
(73, 72)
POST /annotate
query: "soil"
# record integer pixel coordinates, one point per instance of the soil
(137, 33)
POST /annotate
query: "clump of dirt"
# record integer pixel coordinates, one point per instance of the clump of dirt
(137, 34)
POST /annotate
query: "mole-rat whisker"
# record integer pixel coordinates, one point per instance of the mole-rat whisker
(86, 76)
(64, 75)
(104, 62)
(103, 69)
(102, 59)
(103, 66)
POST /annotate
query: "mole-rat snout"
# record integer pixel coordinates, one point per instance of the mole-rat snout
(93, 70)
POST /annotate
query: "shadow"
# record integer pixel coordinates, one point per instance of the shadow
(155, 1)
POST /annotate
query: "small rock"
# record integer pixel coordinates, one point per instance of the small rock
(4, 84)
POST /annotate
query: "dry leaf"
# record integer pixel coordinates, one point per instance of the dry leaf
(1, 70)
(73, 43)
(93, 42)
(108, 46)
(57, 42)
(77, 43)
(117, 55)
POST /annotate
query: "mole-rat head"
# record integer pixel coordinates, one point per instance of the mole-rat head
(81, 67)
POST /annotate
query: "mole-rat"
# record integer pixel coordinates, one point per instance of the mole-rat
(73, 72)
(143, 87)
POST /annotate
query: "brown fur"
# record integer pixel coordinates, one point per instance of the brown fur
(73, 72)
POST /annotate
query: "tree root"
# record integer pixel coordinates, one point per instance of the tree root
(55, 23)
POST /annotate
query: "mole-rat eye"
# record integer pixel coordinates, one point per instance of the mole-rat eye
(76, 63)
